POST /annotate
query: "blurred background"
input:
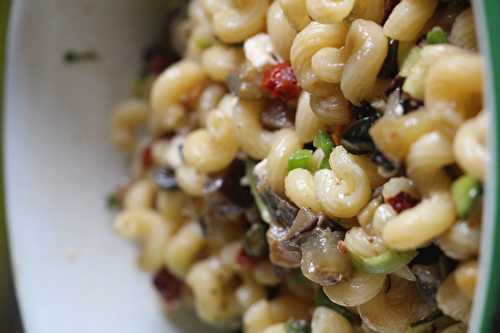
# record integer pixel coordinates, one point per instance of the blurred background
(10, 321)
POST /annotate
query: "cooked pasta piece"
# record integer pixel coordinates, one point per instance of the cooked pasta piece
(184, 248)
(463, 31)
(307, 124)
(372, 10)
(329, 11)
(470, 148)
(313, 38)
(296, 13)
(344, 190)
(235, 21)
(209, 99)
(214, 148)
(249, 293)
(284, 143)
(140, 194)
(408, 18)
(299, 188)
(218, 62)
(325, 320)
(280, 30)
(128, 116)
(252, 138)
(168, 90)
(190, 180)
(149, 228)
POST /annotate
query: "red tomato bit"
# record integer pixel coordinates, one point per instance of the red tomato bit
(402, 201)
(280, 81)
(169, 287)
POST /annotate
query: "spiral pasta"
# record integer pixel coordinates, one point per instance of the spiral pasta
(408, 18)
(463, 31)
(235, 21)
(252, 138)
(214, 148)
(280, 30)
(313, 38)
(128, 116)
(329, 11)
(345, 190)
(168, 90)
(296, 13)
(218, 62)
(307, 124)
(469, 146)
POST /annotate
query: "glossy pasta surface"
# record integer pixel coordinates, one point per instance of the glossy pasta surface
(309, 165)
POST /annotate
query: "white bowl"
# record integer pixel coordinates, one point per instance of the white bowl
(73, 274)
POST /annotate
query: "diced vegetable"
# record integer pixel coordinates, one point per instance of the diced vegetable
(297, 326)
(280, 82)
(251, 180)
(323, 141)
(390, 66)
(356, 139)
(385, 263)
(466, 192)
(436, 36)
(255, 243)
(302, 159)
(320, 299)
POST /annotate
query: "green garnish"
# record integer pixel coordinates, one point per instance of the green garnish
(320, 299)
(255, 242)
(323, 141)
(297, 326)
(250, 179)
(466, 192)
(113, 201)
(385, 263)
(302, 159)
(436, 36)
(325, 164)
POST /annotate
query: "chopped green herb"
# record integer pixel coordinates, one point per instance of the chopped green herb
(297, 326)
(385, 263)
(324, 142)
(113, 201)
(302, 159)
(250, 179)
(320, 299)
(466, 192)
(436, 36)
(255, 242)
(325, 163)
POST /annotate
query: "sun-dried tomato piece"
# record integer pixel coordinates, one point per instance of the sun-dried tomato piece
(402, 201)
(280, 81)
(169, 287)
(246, 261)
(147, 156)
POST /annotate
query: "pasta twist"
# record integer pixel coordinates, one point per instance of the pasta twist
(190, 180)
(252, 138)
(436, 213)
(329, 11)
(168, 90)
(183, 249)
(209, 99)
(372, 10)
(453, 88)
(149, 228)
(280, 30)
(214, 148)
(307, 124)
(332, 110)
(299, 188)
(313, 38)
(214, 299)
(296, 13)
(469, 146)
(128, 116)
(408, 19)
(325, 320)
(140, 194)
(236, 20)
(463, 31)
(365, 52)
(218, 62)
(284, 144)
(344, 190)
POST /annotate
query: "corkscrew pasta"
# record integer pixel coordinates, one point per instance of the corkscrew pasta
(310, 165)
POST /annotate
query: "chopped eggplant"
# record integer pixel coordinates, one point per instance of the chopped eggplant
(390, 66)
(429, 279)
(165, 179)
(255, 242)
(356, 139)
(282, 252)
(250, 179)
(277, 115)
(282, 211)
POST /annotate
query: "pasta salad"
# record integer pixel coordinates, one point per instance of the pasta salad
(309, 165)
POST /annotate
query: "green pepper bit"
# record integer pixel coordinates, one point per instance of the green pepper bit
(385, 263)
(436, 36)
(323, 141)
(301, 158)
(466, 192)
